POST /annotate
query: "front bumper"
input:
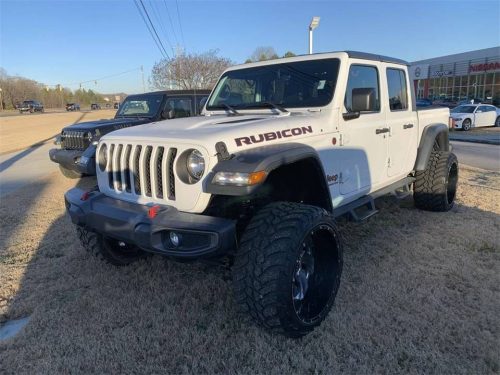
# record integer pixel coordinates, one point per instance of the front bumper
(200, 236)
(75, 160)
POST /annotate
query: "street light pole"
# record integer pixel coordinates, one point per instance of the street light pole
(314, 24)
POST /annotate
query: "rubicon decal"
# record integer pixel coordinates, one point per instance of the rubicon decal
(271, 136)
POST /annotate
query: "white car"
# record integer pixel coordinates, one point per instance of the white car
(470, 116)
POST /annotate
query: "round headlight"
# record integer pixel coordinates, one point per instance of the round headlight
(195, 164)
(103, 157)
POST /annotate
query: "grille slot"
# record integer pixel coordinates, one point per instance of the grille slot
(126, 169)
(74, 140)
(142, 170)
(137, 179)
(159, 172)
(171, 178)
(147, 172)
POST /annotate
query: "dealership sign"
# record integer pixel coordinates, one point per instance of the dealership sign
(419, 71)
(484, 67)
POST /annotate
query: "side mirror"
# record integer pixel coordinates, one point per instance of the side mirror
(363, 99)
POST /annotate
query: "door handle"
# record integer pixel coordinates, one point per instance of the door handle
(382, 130)
(407, 126)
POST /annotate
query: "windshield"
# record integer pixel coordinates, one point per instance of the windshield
(293, 85)
(463, 109)
(146, 106)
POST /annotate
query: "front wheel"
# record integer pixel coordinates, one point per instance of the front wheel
(466, 125)
(435, 188)
(287, 270)
(110, 250)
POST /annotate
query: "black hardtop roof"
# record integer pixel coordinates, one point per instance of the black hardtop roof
(375, 57)
(174, 92)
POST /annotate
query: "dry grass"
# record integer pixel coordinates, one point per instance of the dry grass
(419, 294)
(20, 132)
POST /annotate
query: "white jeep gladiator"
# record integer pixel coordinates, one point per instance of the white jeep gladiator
(283, 147)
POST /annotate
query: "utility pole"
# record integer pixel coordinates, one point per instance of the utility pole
(142, 74)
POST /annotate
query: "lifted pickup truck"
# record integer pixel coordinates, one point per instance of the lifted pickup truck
(283, 148)
(76, 156)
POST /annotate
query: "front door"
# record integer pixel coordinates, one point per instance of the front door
(402, 122)
(364, 145)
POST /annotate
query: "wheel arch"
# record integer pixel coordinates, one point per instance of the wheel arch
(434, 137)
(293, 167)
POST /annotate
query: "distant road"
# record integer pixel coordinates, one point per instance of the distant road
(478, 155)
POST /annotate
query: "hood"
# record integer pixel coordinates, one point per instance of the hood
(106, 126)
(209, 130)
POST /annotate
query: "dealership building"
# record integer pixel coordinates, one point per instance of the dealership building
(468, 75)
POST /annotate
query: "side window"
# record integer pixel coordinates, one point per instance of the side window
(362, 93)
(178, 107)
(398, 93)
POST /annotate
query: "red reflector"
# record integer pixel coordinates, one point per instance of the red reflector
(153, 211)
(85, 196)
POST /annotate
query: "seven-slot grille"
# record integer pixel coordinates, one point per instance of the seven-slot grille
(74, 140)
(143, 170)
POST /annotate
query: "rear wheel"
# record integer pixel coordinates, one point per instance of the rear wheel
(287, 271)
(435, 188)
(497, 121)
(110, 250)
(69, 173)
(466, 125)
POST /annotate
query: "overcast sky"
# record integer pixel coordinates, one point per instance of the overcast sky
(69, 42)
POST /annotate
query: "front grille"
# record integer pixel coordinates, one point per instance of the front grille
(143, 170)
(74, 140)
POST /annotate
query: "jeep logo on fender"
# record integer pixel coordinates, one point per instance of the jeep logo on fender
(271, 136)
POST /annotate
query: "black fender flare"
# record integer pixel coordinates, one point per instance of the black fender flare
(432, 133)
(265, 158)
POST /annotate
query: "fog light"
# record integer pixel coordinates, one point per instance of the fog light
(175, 239)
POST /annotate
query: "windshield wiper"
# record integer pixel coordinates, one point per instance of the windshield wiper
(229, 108)
(269, 104)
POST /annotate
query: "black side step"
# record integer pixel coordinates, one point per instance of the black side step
(364, 207)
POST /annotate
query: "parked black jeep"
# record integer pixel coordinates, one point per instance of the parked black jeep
(95, 106)
(30, 106)
(76, 155)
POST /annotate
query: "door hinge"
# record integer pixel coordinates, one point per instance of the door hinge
(389, 163)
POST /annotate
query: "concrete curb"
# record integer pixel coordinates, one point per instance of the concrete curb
(483, 141)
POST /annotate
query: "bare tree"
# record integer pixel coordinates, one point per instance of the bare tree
(188, 71)
(262, 54)
(16, 89)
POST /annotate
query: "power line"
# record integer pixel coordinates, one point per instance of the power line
(171, 23)
(153, 27)
(96, 79)
(162, 52)
(180, 24)
(157, 14)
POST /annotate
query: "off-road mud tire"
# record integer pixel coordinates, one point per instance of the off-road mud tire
(435, 188)
(68, 173)
(267, 261)
(108, 249)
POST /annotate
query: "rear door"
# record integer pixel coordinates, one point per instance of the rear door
(363, 139)
(401, 121)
